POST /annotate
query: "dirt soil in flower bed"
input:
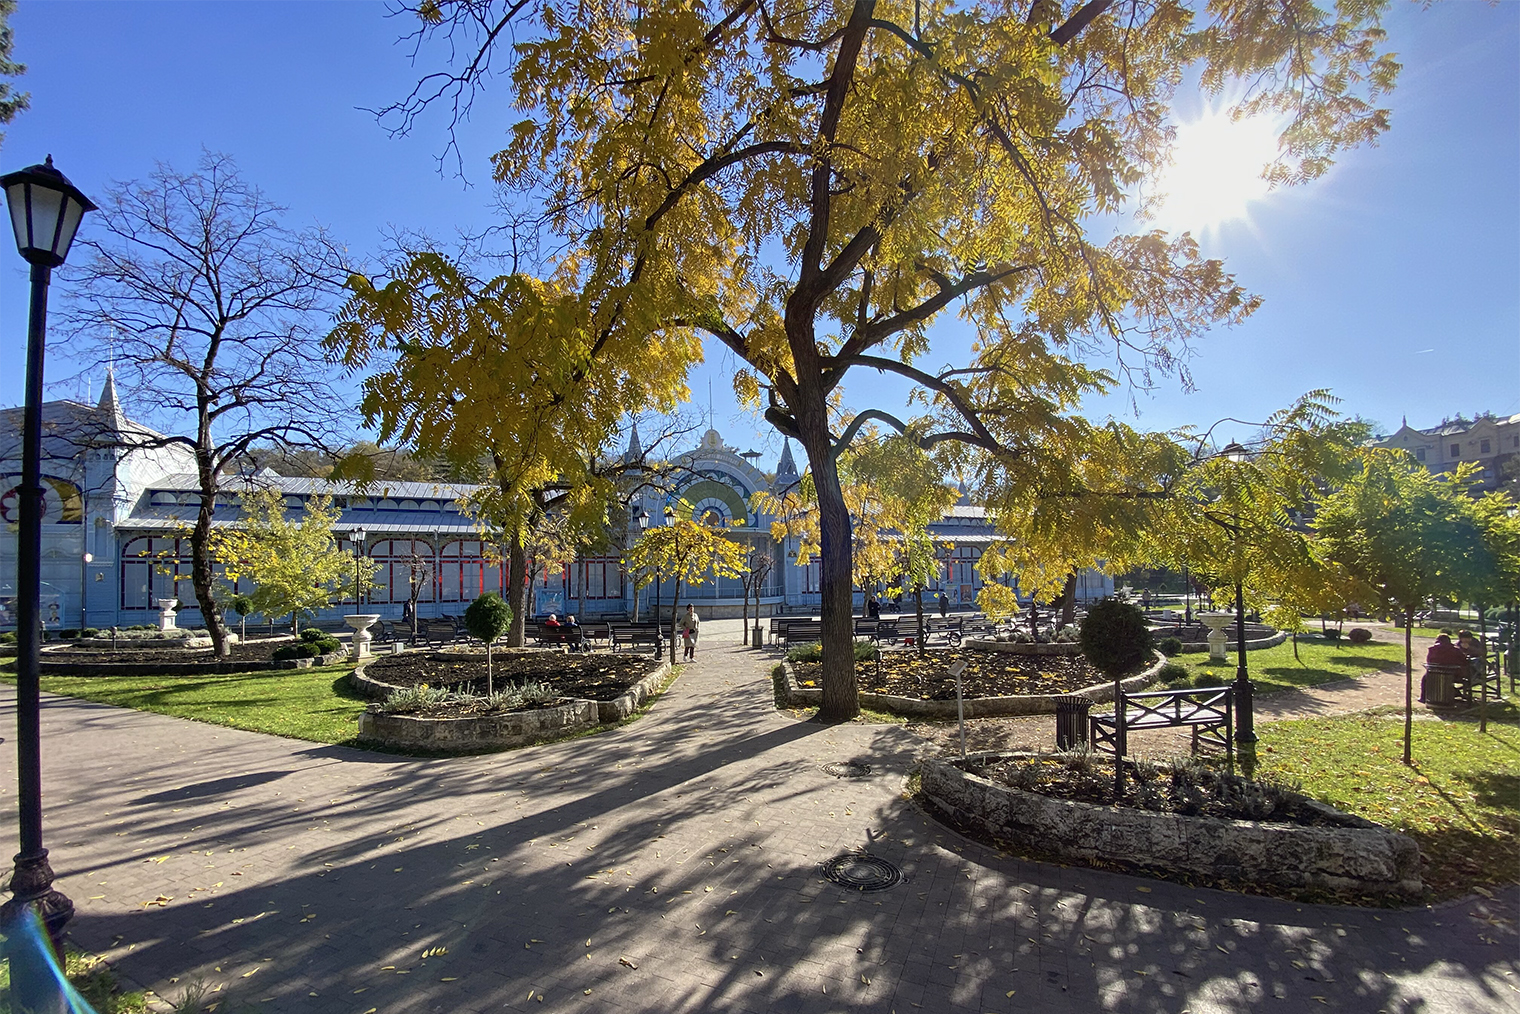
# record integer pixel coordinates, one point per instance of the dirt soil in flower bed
(905, 674)
(1192, 790)
(251, 651)
(594, 676)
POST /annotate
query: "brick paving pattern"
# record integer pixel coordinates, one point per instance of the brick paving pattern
(669, 865)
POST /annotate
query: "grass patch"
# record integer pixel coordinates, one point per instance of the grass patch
(311, 704)
(95, 980)
(1460, 802)
(1320, 661)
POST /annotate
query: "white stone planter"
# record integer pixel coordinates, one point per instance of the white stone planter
(361, 623)
(166, 614)
(1216, 622)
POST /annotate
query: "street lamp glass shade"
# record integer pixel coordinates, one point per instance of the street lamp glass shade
(642, 519)
(359, 535)
(1234, 452)
(45, 212)
(670, 514)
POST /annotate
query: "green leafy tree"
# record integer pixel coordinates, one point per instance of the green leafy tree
(487, 618)
(814, 185)
(1406, 537)
(296, 566)
(688, 551)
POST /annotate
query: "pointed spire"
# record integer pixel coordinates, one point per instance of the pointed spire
(635, 450)
(786, 468)
(109, 406)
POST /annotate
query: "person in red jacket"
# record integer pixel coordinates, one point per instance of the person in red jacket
(1444, 653)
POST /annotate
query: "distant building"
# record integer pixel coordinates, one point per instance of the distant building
(1491, 441)
(118, 505)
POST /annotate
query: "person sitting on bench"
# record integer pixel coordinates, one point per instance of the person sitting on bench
(1442, 653)
(574, 637)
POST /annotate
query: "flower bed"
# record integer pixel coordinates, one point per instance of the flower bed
(1331, 850)
(158, 659)
(464, 728)
(986, 696)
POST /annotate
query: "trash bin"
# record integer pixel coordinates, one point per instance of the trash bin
(1071, 722)
(757, 640)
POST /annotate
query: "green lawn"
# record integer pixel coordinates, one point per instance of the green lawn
(312, 704)
(1319, 661)
(95, 981)
(1460, 802)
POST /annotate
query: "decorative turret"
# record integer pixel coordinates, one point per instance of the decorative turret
(635, 452)
(109, 405)
(786, 469)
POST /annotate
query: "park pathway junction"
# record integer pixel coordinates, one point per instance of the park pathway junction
(669, 865)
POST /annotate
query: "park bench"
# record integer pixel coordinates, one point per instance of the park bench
(634, 635)
(801, 631)
(598, 631)
(1208, 711)
(437, 631)
(945, 627)
(877, 630)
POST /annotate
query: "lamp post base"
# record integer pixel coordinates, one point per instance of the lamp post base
(33, 984)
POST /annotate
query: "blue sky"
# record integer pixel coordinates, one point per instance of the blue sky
(1407, 247)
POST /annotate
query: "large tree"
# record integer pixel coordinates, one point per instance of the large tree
(814, 184)
(11, 101)
(211, 311)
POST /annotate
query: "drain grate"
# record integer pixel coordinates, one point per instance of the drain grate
(862, 872)
(847, 769)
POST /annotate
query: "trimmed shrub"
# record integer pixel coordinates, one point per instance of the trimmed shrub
(68, 634)
(805, 653)
(1115, 637)
(1175, 674)
(1332, 634)
(1170, 646)
(91, 632)
(241, 604)
(488, 617)
(1068, 634)
(301, 649)
(313, 634)
(9, 637)
(1360, 635)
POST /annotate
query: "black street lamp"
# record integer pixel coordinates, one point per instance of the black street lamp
(1245, 720)
(45, 213)
(358, 535)
(641, 518)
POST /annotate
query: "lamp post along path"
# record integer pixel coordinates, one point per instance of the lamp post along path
(1245, 723)
(45, 210)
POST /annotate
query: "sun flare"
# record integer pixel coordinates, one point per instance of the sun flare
(1216, 171)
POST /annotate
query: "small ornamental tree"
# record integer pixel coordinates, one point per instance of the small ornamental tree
(487, 618)
(690, 552)
(1115, 639)
(242, 605)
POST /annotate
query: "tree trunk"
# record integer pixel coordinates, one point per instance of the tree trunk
(744, 611)
(295, 622)
(202, 576)
(517, 591)
(1483, 670)
(675, 607)
(1408, 684)
(1069, 601)
(841, 700)
(490, 688)
(918, 601)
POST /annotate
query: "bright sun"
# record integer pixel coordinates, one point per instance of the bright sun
(1216, 171)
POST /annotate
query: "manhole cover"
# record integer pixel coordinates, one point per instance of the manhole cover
(862, 872)
(847, 769)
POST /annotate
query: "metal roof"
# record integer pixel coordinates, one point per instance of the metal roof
(300, 485)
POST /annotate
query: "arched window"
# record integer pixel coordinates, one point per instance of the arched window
(393, 578)
(155, 568)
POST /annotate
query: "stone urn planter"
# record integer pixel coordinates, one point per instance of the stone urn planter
(1216, 622)
(166, 614)
(361, 623)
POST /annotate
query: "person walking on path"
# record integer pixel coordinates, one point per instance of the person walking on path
(944, 606)
(689, 624)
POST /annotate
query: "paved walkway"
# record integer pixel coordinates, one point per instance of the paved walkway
(670, 865)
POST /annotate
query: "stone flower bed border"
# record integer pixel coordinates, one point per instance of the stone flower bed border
(976, 707)
(1189, 647)
(513, 728)
(51, 668)
(1355, 856)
